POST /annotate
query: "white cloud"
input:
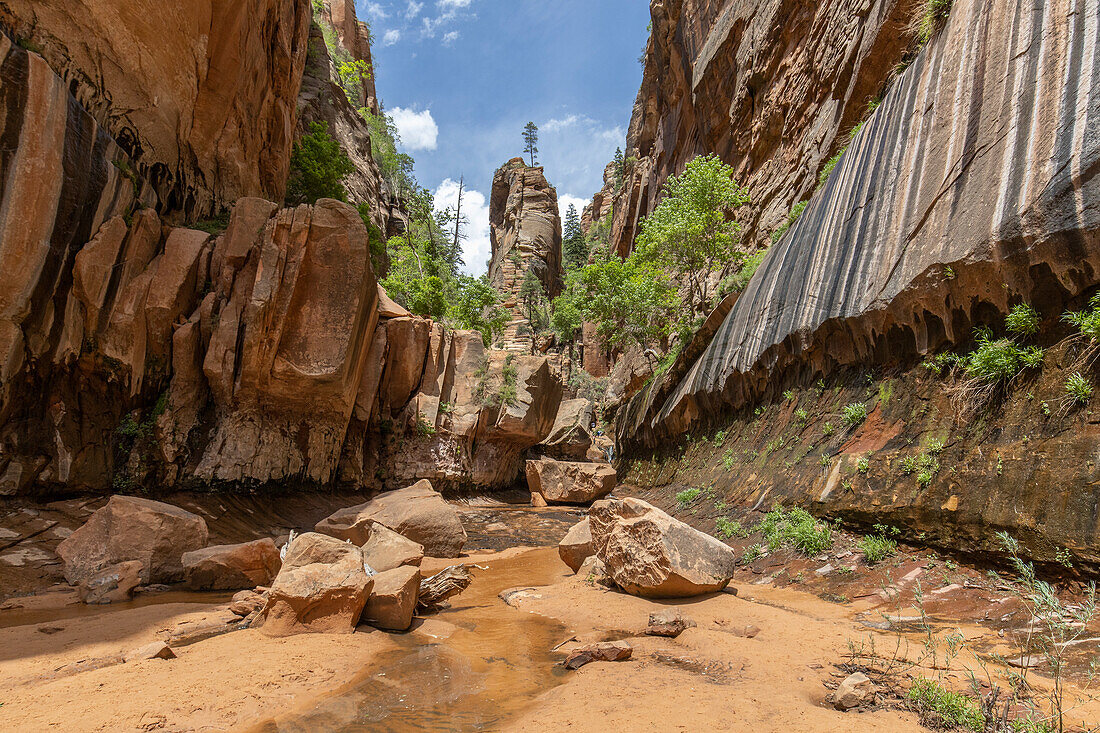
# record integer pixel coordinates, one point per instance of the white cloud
(451, 5)
(413, 9)
(418, 130)
(477, 248)
(556, 125)
(375, 10)
(450, 37)
(564, 201)
(448, 12)
(391, 37)
(574, 149)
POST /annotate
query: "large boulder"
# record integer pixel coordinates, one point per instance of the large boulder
(232, 567)
(130, 528)
(393, 601)
(570, 439)
(569, 482)
(418, 513)
(648, 553)
(387, 550)
(321, 588)
(576, 546)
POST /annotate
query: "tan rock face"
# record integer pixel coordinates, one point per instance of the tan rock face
(232, 567)
(772, 87)
(133, 529)
(570, 438)
(576, 546)
(203, 92)
(386, 550)
(393, 601)
(321, 589)
(648, 553)
(569, 482)
(418, 513)
(525, 234)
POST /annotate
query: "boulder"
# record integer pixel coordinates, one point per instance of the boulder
(669, 622)
(393, 601)
(154, 650)
(321, 588)
(569, 482)
(569, 438)
(648, 553)
(387, 550)
(247, 602)
(604, 651)
(856, 690)
(232, 567)
(576, 546)
(130, 528)
(418, 513)
(112, 584)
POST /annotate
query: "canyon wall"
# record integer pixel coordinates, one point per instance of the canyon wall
(201, 95)
(771, 86)
(525, 233)
(971, 188)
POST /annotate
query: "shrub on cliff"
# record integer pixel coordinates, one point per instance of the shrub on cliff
(318, 167)
(692, 232)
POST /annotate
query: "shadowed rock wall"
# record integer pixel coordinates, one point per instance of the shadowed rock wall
(201, 94)
(972, 186)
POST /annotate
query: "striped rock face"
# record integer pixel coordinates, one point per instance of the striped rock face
(201, 92)
(971, 186)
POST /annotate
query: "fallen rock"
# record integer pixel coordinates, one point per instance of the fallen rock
(569, 482)
(856, 690)
(604, 651)
(386, 550)
(592, 570)
(576, 546)
(112, 584)
(130, 528)
(434, 591)
(648, 553)
(669, 622)
(232, 567)
(418, 513)
(321, 588)
(156, 650)
(247, 602)
(569, 439)
(393, 601)
(538, 501)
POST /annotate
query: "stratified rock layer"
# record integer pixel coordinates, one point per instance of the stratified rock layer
(201, 93)
(525, 234)
(969, 187)
(772, 86)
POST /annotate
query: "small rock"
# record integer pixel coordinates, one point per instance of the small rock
(669, 622)
(604, 651)
(576, 546)
(156, 650)
(112, 584)
(387, 550)
(247, 602)
(392, 602)
(856, 689)
(825, 570)
(50, 630)
(537, 500)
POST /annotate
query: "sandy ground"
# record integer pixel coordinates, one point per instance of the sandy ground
(711, 677)
(215, 684)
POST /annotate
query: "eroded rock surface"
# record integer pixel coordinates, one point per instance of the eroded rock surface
(322, 588)
(648, 553)
(569, 482)
(132, 529)
(232, 567)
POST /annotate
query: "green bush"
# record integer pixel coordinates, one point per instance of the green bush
(796, 529)
(1078, 389)
(996, 361)
(751, 555)
(879, 546)
(933, 701)
(796, 211)
(1087, 321)
(730, 528)
(854, 414)
(686, 497)
(1022, 320)
(931, 17)
(318, 167)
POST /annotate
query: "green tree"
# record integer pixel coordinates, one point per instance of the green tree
(691, 231)
(476, 306)
(574, 247)
(619, 168)
(318, 167)
(531, 141)
(536, 306)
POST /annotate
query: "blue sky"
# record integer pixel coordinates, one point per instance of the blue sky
(462, 78)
